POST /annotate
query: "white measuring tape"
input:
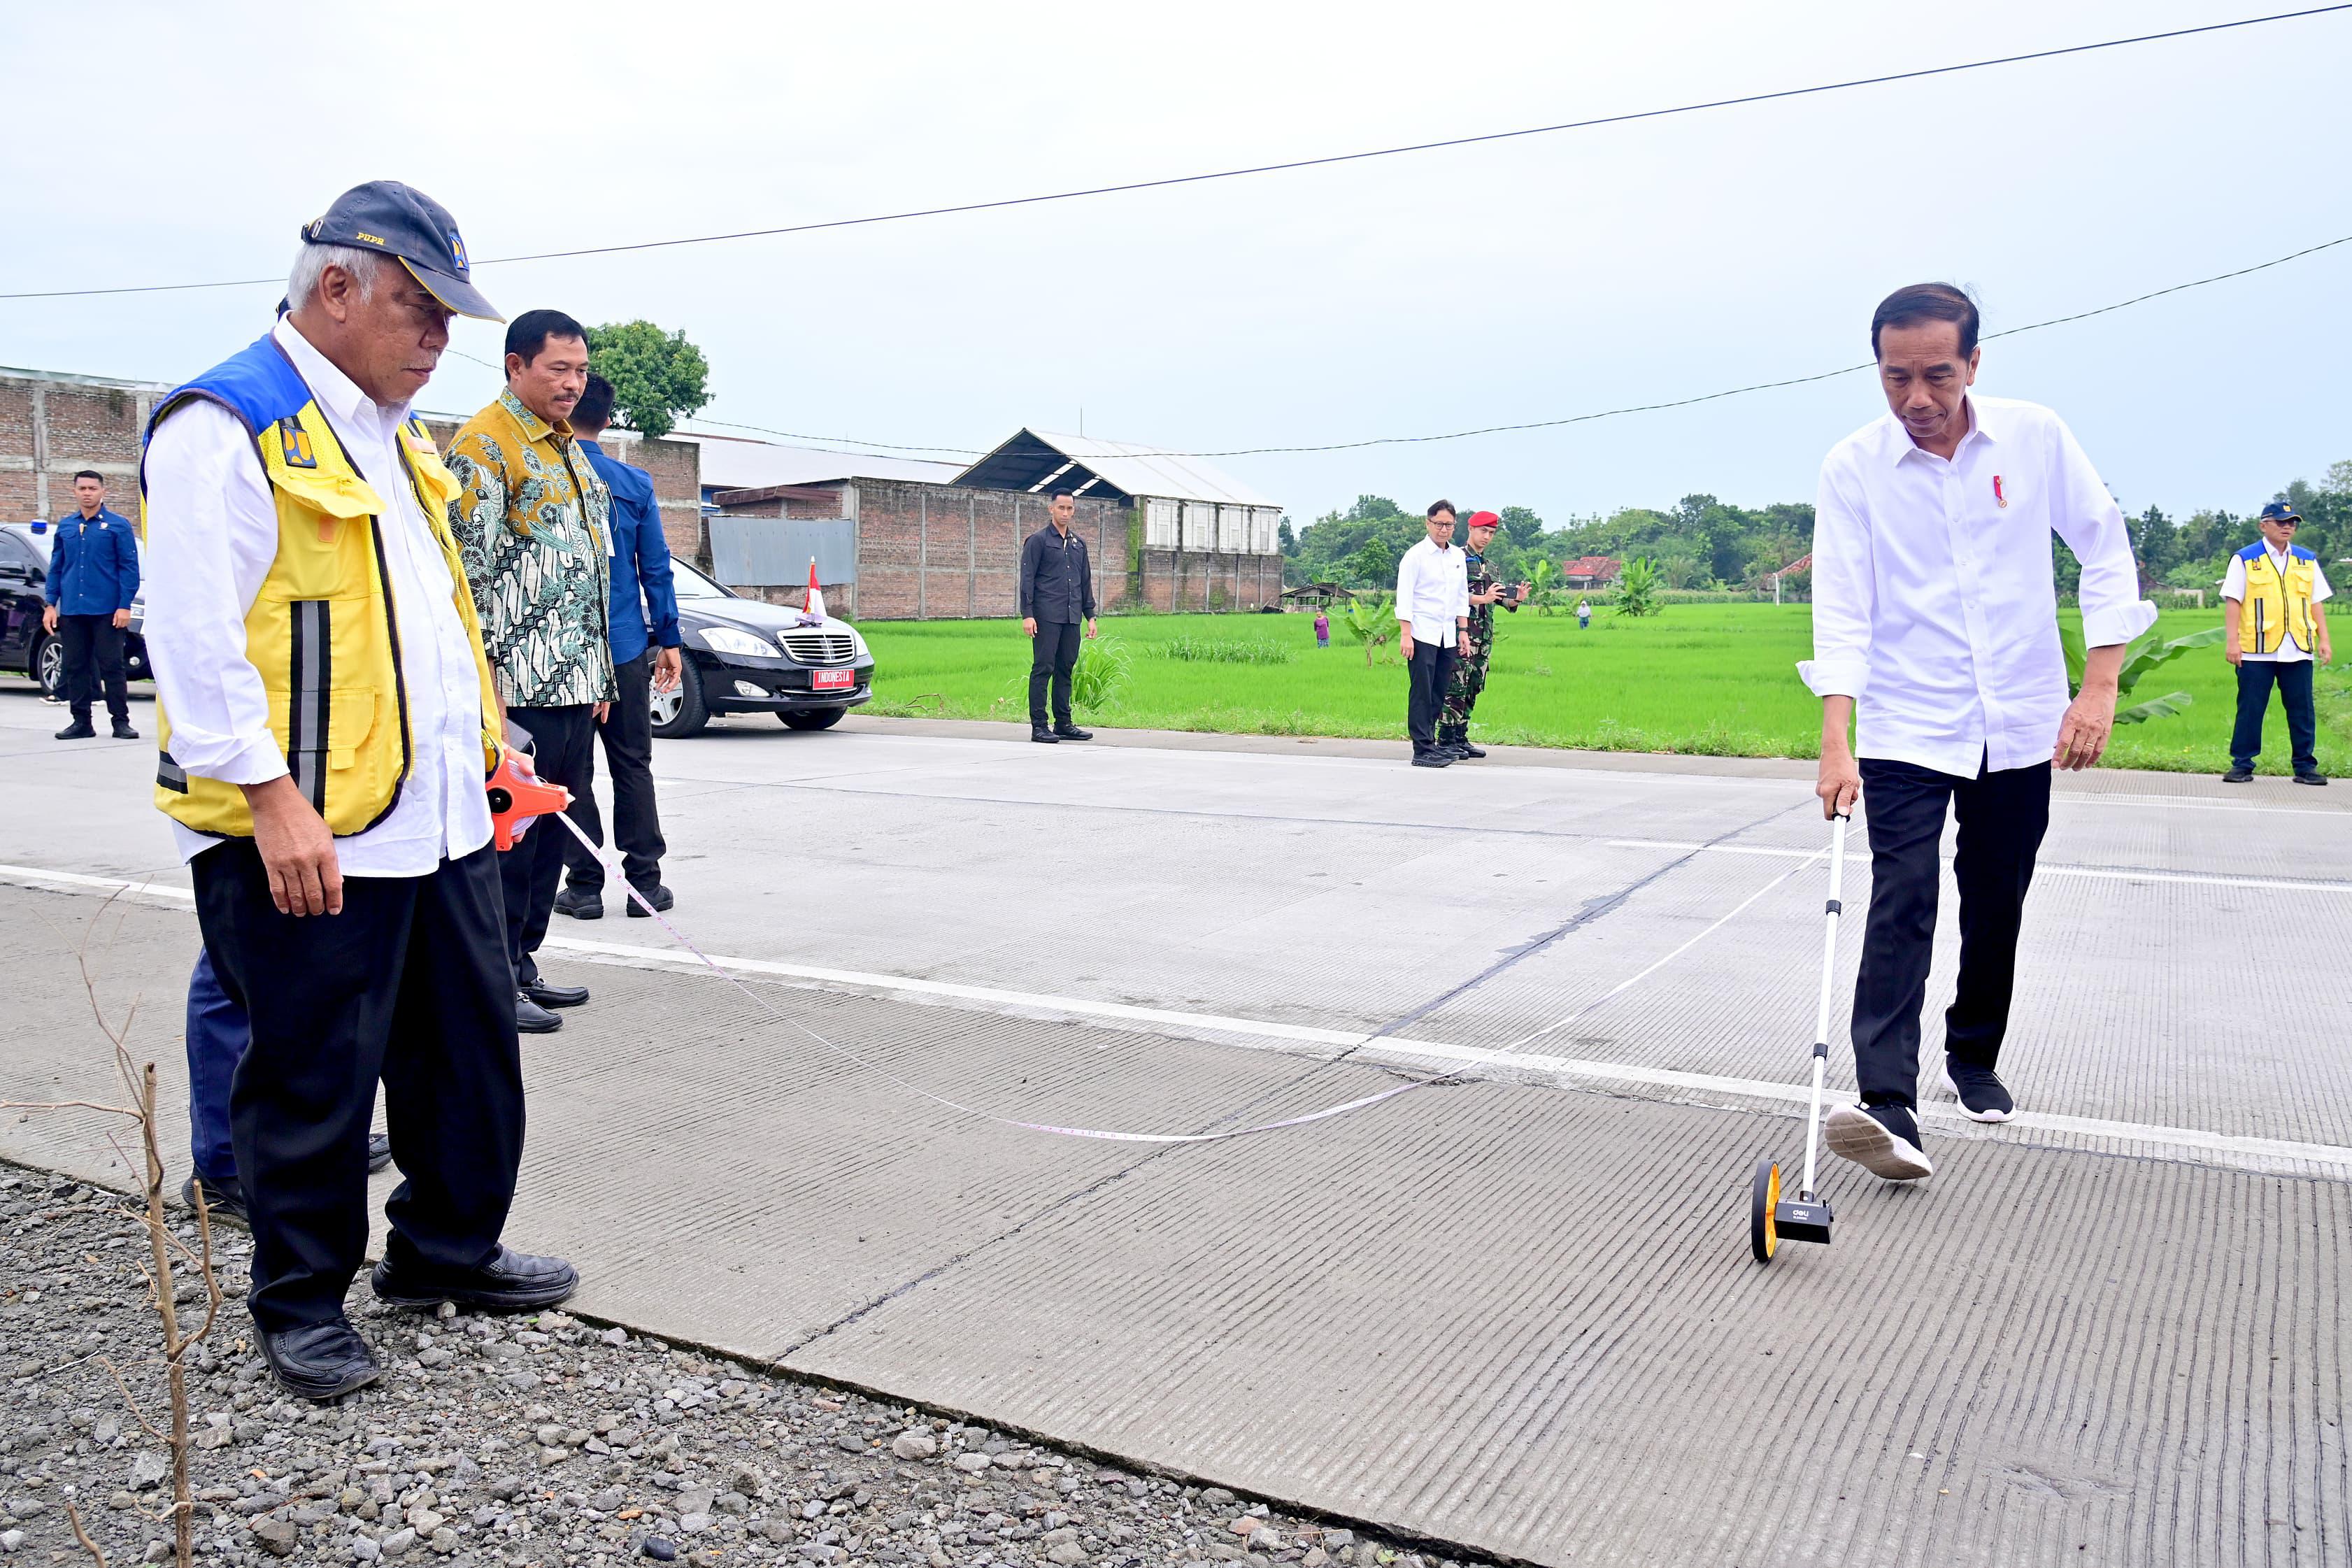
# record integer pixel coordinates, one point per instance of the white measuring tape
(1104, 1134)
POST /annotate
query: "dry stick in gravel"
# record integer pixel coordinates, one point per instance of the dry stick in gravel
(162, 1284)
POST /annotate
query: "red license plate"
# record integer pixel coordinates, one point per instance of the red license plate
(833, 679)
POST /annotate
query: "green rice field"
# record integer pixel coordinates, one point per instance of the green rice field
(1709, 679)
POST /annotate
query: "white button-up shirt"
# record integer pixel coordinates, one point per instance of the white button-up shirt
(1933, 601)
(214, 538)
(2233, 586)
(1433, 592)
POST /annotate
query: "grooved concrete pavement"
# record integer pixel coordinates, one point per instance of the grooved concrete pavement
(1513, 1316)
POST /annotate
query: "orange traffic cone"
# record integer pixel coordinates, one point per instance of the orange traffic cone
(816, 607)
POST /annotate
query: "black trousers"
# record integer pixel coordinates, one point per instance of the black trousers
(2002, 816)
(1053, 658)
(1432, 676)
(563, 752)
(93, 650)
(627, 733)
(408, 985)
(2255, 678)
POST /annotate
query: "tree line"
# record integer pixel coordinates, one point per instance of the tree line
(1702, 542)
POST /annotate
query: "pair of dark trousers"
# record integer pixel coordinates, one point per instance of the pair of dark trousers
(409, 984)
(93, 650)
(1054, 658)
(2002, 816)
(1432, 676)
(2255, 678)
(627, 733)
(563, 752)
(218, 1031)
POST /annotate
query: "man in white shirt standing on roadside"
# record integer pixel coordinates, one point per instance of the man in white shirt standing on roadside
(1936, 624)
(1433, 612)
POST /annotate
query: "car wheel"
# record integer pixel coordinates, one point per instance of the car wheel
(680, 711)
(49, 665)
(811, 718)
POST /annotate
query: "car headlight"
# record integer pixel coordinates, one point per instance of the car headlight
(728, 639)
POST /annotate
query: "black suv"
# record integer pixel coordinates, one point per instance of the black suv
(23, 646)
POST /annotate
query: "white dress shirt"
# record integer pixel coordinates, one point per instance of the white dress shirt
(2233, 586)
(1433, 592)
(213, 543)
(1933, 601)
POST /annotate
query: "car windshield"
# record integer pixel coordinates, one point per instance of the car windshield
(690, 583)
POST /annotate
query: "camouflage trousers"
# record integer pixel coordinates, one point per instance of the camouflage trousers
(1462, 692)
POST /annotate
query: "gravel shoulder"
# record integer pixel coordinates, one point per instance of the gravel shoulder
(528, 1441)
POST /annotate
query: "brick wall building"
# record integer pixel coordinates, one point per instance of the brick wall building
(53, 424)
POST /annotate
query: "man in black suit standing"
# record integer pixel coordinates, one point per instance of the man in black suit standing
(1057, 597)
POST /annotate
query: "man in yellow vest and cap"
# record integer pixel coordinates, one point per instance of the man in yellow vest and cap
(328, 723)
(2273, 626)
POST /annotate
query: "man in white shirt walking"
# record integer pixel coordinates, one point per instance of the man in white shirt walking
(1936, 626)
(2273, 624)
(1433, 612)
(328, 723)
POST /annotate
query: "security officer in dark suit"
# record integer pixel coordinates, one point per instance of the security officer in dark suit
(1057, 596)
(93, 577)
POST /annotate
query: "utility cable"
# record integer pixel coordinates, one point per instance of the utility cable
(1286, 165)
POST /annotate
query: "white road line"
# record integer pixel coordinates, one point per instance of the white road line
(2047, 868)
(1502, 1064)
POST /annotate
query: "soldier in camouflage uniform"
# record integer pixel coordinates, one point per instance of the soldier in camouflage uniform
(1470, 674)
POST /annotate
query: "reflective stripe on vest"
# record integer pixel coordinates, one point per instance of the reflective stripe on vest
(2277, 608)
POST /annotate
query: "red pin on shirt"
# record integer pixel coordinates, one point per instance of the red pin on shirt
(1997, 494)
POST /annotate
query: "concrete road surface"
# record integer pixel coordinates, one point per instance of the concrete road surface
(1512, 1311)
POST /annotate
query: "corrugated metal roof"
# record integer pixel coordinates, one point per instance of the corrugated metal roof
(1141, 470)
(732, 463)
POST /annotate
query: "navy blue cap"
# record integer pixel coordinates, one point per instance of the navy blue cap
(402, 221)
(2279, 512)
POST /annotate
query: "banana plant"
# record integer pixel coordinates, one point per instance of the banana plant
(2143, 652)
(1542, 577)
(1370, 619)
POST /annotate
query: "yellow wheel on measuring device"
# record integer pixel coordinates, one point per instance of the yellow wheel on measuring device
(1764, 1198)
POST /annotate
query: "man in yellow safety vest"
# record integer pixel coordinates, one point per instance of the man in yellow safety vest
(2274, 626)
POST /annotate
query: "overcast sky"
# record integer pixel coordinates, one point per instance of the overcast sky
(1519, 280)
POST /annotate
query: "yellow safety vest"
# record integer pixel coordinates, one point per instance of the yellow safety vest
(321, 631)
(2277, 606)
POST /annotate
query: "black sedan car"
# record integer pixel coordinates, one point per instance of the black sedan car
(23, 646)
(746, 656)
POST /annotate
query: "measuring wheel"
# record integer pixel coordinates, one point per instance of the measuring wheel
(1764, 1200)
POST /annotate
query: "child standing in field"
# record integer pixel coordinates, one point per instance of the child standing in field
(1583, 615)
(1322, 629)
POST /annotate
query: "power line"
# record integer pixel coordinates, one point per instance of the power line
(1628, 118)
(1608, 413)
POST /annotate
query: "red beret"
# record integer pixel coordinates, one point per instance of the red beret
(1484, 520)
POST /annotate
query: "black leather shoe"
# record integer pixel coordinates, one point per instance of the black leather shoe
(123, 731)
(547, 995)
(379, 1153)
(223, 1199)
(78, 730)
(511, 1281)
(320, 1361)
(1464, 748)
(1072, 732)
(656, 895)
(581, 904)
(1433, 758)
(1037, 732)
(531, 1018)
(2238, 775)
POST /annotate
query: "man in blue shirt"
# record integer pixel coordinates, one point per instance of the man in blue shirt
(644, 657)
(93, 577)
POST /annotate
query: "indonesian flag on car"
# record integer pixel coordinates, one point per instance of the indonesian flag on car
(813, 614)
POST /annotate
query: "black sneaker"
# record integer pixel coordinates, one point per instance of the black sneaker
(581, 904)
(2238, 775)
(379, 1152)
(1982, 1096)
(1072, 732)
(1882, 1138)
(123, 731)
(78, 730)
(659, 897)
(2311, 778)
(1433, 758)
(1043, 736)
